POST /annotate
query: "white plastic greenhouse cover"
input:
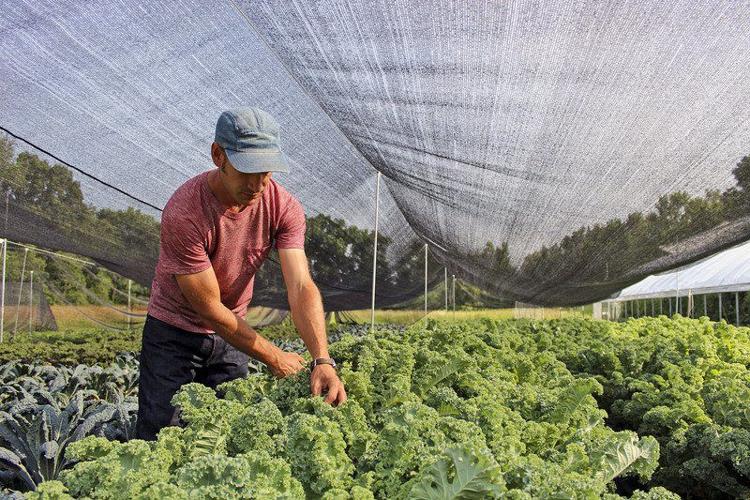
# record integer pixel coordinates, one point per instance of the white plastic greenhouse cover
(549, 152)
(727, 271)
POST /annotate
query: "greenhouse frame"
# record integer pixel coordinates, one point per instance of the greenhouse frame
(723, 277)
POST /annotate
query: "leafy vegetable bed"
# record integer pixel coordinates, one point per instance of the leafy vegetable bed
(454, 410)
(45, 408)
(685, 382)
(70, 347)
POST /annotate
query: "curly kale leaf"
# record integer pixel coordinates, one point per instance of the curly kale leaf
(460, 474)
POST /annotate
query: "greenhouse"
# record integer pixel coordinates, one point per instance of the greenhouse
(374, 250)
(722, 280)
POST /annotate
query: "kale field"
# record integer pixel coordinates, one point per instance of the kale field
(520, 409)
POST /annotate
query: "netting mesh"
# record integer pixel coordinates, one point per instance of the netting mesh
(550, 153)
(26, 310)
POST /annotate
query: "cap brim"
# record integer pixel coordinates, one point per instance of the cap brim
(250, 162)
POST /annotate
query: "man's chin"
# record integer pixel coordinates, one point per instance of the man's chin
(246, 200)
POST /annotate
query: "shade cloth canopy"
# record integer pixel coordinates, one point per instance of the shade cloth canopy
(549, 152)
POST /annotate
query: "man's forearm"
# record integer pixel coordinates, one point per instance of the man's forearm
(239, 334)
(307, 314)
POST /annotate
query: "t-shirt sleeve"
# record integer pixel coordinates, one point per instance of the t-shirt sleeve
(183, 246)
(292, 226)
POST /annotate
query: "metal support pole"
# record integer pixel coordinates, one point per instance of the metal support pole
(721, 314)
(20, 289)
(446, 289)
(31, 300)
(670, 306)
(2, 293)
(425, 278)
(375, 252)
(737, 307)
(130, 284)
(661, 306)
(705, 306)
(652, 308)
(677, 298)
(453, 276)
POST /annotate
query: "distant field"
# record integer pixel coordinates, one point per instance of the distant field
(73, 317)
(408, 317)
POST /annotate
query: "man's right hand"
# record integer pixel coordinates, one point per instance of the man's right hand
(286, 363)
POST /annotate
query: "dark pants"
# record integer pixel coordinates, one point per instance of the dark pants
(171, 357)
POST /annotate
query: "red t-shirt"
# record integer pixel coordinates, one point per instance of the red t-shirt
(198, 232)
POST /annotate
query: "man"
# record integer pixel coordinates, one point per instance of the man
(216, 230)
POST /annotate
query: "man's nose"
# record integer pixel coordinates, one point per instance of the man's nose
(258, 185)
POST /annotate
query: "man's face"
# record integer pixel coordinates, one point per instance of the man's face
(244, 188)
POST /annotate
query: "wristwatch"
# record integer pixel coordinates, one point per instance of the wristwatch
(322, 361)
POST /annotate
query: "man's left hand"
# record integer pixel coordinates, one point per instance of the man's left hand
(324, 378)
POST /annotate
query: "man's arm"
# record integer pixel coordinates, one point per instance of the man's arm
(202, 292)
(307, 314)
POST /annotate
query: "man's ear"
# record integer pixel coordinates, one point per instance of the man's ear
(217, 154)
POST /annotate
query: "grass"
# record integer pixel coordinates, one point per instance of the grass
(412, 316)
(74, 317)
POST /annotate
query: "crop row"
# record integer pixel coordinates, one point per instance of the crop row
(573, 408)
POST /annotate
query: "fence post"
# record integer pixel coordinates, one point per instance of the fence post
(31, 300)
(2, 293)
(446, 289)
(375, 253)
(453, 276)
(425, 278)
(130, 283)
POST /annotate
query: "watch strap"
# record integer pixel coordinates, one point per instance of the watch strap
(322, 361)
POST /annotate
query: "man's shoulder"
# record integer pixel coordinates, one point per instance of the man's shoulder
(281, 195)
(186, 198)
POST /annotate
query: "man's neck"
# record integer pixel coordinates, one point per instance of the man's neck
(217, 187)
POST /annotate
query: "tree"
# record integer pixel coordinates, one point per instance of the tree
(742, 174)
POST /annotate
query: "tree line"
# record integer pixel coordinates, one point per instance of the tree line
(44, 205)
(603, 258)
(43, 197)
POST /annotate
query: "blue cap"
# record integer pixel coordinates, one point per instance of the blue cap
(250, 138)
